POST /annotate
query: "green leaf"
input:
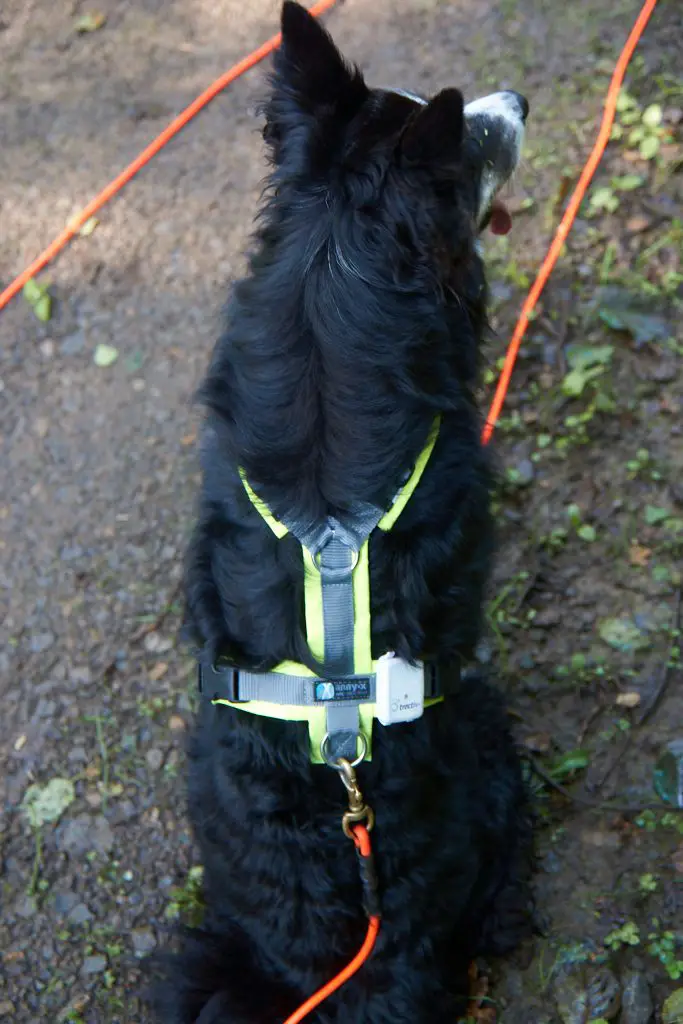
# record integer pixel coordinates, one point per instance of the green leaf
(33, 291)
(105, 355)
(573, 761)
(90, 22)
(603, 198)
(581, 357)
(47, 803)
(628, 182)
(625, 101)
(652, 115)
(672, 1011)
(649, 147)
(587, 533)
(576, 380)
(642, 318)
(43, 308)
(88, 227)
(574, 515)
(623, 635)
(654, 514)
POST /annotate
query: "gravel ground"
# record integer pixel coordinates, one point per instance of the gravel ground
(99, 473)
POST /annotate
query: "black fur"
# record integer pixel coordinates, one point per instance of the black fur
(359, 320)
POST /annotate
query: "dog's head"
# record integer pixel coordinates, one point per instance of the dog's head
(429, 171)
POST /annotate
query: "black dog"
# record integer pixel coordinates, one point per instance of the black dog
(359, 322)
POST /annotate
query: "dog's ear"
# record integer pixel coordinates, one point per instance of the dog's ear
(436, 131)
(310, 68)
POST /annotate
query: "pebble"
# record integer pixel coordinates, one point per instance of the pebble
(157, 644)
(79, 915)
(74, 344)
(47, 348)
(144, 941)
(7, 1008)
(94, 965)
(155, 758)
(525, 472)
(176, 723)
(41, 642)
(636, 1001)
(64, 902)
(86, 833)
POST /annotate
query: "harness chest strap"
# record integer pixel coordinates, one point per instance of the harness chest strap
(339, 705)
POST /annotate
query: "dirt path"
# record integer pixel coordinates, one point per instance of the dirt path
(99, 471)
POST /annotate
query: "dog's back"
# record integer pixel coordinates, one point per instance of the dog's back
(358, 323)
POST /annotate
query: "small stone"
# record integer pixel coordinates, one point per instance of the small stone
(94, 965)
(47, 348)
(547, 617)
(144, 941)
(25, 907)
(638, 223)
(40, 642)
(64, 902)
(41, 426)
(636, 1001)
(79, 915)
(78, 755)
(7, 1008)
(524, 473)
(176, 723)
(157, 644)
(86, 833)
(155, 758)
(74, 344)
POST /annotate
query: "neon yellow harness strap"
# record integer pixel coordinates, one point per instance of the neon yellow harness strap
(313, 602)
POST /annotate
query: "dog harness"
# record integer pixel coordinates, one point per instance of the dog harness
(341, 703)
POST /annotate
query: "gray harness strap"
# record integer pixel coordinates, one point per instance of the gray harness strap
(335, 549)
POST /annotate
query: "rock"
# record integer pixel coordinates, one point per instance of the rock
(636, 1001)
(64, 902)
(86, 833)
(157, 644)
(47, 348)
(74, 344)
(155, 758)
(144, 941)
(79, 915)
(25, 906)
(7, 1009)
(94, 965)
(40, 642)
(585, 992)
(525, 473)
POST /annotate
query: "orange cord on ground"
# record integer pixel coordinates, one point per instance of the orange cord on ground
(568, 218)
(361, 838)
(179, 122)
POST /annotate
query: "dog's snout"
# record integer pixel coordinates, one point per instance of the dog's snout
(520, 102)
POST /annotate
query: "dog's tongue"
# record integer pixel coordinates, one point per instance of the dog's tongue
(501, 221)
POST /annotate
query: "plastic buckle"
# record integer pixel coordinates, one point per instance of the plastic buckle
(229, 684)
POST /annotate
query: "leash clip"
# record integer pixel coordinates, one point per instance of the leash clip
(358, 812)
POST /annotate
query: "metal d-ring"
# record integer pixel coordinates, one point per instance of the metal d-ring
(325, 752)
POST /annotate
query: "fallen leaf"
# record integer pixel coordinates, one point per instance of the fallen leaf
(92, 772)
(158, 670)
(638, 223)
(42, 804)
(630, 699)
(567, 764)
(672, 1011)
(654, 515)
(20, 741)
(189, 439)
(90, 22)
(623, 311)
(87, 229)
(105, 355)
(176, 723)
(623, 635)
(639, 555)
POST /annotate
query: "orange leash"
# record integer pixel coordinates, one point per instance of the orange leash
(361, 838)
(568, 218)
(179, 122)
